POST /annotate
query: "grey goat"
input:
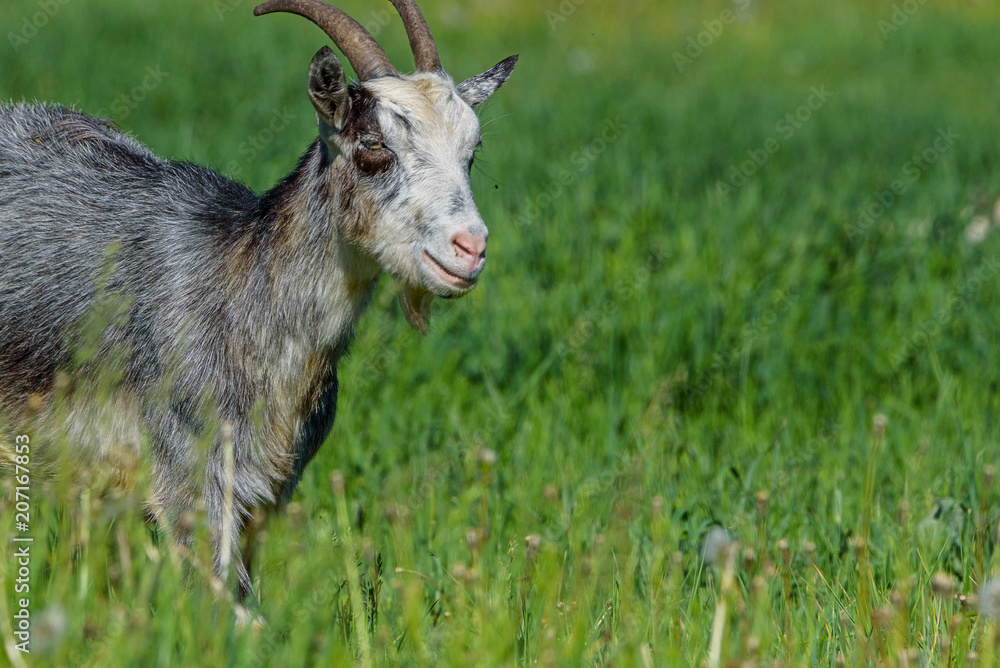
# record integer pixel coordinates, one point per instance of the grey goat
(232, 304)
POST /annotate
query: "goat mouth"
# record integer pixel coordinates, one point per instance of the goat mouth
(451, 278)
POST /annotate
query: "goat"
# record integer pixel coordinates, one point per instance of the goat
(230, 303)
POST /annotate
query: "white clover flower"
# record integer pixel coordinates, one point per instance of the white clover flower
(989, 598)
(717, 545)
(50, 629)
(977, 230)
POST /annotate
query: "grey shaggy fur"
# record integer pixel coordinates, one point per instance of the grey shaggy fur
(71, 186)
(234, 307)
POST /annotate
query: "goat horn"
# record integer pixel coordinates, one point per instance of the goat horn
(425, 52)
(365, 55)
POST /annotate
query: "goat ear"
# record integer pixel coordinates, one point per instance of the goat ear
(328, 92)
(476, 90)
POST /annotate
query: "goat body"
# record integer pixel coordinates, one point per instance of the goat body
(227, 306)
(237, 304)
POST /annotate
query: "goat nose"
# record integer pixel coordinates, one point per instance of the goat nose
(468, 246)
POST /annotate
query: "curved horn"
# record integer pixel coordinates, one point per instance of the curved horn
(425, 52)
(365, 55)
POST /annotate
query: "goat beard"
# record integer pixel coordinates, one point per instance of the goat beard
(415, 301)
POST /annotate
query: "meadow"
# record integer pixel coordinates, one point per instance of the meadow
(727, 393)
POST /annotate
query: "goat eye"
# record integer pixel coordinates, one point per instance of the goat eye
(373, 145)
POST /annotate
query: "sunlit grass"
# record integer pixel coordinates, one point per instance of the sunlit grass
(643, 366)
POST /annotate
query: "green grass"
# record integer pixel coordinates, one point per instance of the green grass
(644, 359)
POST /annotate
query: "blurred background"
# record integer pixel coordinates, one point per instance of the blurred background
(725, 236)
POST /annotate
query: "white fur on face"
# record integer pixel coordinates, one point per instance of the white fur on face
(425, 199)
